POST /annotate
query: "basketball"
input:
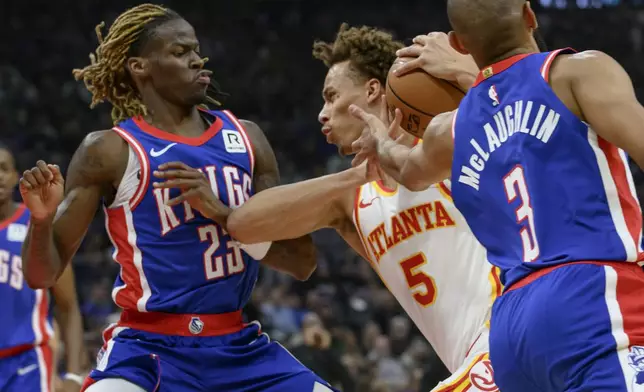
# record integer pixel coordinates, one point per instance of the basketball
(420, 97)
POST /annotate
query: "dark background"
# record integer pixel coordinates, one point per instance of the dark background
(260, 52)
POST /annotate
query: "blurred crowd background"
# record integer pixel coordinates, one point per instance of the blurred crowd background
(342, 322)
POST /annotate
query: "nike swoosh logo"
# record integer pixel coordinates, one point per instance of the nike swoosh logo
(27, 369)
(365, 205)
(159, 153)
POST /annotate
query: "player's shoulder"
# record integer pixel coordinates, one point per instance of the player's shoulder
(99, 155)
(575, 65)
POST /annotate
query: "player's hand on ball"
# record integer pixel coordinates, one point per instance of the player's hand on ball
(42, 189)
(195, 189)
(434, 55)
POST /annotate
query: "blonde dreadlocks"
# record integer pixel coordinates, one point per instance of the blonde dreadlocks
(107, 78)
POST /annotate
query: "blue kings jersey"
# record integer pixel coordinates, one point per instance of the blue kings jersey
(24, 311)
(537, 186)
(173, 259)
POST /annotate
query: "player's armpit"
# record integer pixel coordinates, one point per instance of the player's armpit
(97, 163)
(604, 93)
(430, 161)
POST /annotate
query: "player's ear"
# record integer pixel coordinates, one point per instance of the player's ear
(456, 43)
(529, 17)
(138, 66)
(375, 89)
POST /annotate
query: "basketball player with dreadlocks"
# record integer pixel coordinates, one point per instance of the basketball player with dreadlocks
(160, 173)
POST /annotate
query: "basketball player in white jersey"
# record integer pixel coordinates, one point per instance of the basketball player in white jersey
(417, 242)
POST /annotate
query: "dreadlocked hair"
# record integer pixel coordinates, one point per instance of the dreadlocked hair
(370, 51)
(107, 78)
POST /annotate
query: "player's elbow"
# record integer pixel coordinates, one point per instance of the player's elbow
(39, 281)
(307, 265)
(239, 227)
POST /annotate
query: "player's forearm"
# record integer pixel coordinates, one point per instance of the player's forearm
(41, 261)
(291, 211)
(71, 327)
(392, 157)
(405, 165)
(295, 257)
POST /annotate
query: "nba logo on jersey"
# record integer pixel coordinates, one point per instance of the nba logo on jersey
(16, 232)
(494, 96)
(196, 326)
(636, 361)
(233, 141)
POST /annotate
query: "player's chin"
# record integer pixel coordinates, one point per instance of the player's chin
(196, 98)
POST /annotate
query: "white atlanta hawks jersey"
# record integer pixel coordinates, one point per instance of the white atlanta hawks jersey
(426, 255)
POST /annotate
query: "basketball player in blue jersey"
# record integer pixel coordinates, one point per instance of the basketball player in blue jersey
(27, 362)
(537, 167)
(159, 175)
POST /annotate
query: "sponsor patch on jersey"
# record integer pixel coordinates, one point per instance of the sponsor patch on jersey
(16, 232)
(233, 141)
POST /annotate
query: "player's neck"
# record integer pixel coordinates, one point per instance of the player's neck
(389, 182)
(7, 209)
(527, 48)
(174, 119)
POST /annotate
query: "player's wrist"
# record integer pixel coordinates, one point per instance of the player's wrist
(77, 378)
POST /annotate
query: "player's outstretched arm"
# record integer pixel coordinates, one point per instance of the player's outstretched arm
(417, 167)
(292, 210)
(286, 215)
(603, 96)
(71, 327)
(57, 228)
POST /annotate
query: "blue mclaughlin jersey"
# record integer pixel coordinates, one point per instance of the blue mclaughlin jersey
(173, 259)
(24, 310)
(537, 185)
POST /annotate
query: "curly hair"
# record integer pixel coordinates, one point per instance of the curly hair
(107, 77)
(371, 51)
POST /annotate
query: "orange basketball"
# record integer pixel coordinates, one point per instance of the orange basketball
(420, 97)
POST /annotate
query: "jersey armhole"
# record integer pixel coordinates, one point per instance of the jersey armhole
(454, 125)
(244, 133)
(545, 67)
(144, 168)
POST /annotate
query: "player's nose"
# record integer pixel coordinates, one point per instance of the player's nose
(323, 118)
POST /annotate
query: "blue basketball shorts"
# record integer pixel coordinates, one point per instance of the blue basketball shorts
(27, 369)
(577, 327)
(246, 360)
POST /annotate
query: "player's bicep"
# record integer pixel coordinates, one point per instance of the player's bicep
(607, 101)
(91, 171)
(266, 172)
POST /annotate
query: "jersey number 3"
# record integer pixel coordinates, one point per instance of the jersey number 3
(515, 186)
(422, 285)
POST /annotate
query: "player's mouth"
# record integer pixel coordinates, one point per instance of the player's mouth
(203, 77)
(326, 131)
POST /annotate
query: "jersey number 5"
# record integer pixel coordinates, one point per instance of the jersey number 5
(515, 182)
(421, 284)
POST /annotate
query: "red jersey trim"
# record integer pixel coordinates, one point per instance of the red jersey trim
(499, 67)
(545, 68)
(17, 214)
(245, 137)
(208, 134)
(144, 163)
